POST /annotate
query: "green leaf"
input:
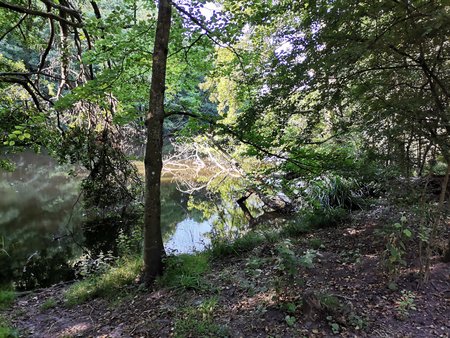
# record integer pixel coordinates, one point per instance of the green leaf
(407, 233)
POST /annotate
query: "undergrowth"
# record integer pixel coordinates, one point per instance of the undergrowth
(245, 243)
(107, 284)
(6, 331)
(7, 296)
(199, 321)
(185, 271)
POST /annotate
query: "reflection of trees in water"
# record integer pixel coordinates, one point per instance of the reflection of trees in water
(173, 209)
(37, 200)
(220, 205)
(111, 190)
(37, 214)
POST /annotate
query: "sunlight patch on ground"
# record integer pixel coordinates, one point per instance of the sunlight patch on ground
(353, 231)
(76, 329)
(251, 303)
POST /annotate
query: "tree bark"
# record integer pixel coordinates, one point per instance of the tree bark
(446, 257)
(153, 244)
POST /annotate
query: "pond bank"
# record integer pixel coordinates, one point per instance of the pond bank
(259, 289)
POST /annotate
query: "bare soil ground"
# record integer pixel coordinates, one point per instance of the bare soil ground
(253, 298)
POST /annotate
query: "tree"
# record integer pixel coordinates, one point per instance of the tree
(153, 244)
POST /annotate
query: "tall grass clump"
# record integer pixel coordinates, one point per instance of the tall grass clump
(108, 284)
(185, 271)
(295, 228)
(333, 191)
(326, 217)
(227, 247)
(199, 321)
(7, 296)
(6, 331)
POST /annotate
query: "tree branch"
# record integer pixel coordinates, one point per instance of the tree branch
(49, 44)
(24, 83)
(241, 138)
(30, 11)
(208, 32)
(13, 27)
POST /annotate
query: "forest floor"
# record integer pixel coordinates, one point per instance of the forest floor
(340, 290)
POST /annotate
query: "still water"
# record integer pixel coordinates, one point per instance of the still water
(41, 214)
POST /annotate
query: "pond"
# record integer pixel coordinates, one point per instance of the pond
(41, 217)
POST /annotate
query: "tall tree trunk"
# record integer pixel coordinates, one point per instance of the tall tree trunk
(153, 244)
(446, 257)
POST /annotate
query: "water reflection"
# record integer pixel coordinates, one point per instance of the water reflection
(41, 221)
(189, 236)
(37, 214)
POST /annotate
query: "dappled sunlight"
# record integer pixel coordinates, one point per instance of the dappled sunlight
(74, 330)
(354, 231)
(252, 302)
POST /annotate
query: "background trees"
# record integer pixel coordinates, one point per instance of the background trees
(326, 69)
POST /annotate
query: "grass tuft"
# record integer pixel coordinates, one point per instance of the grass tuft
(7, 296)
(49, 304)
(247, 242)
(295, 229)
(185, 271)
(6, 331)
(199, 322)
(106, 285)
(326, 217)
